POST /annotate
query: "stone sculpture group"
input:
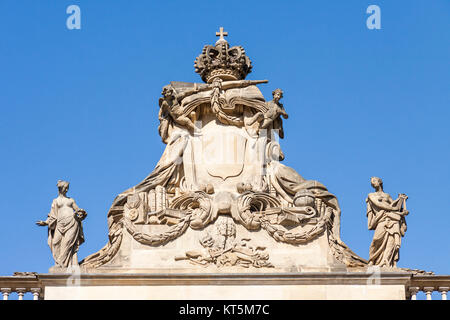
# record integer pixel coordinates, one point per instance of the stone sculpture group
(221, 185)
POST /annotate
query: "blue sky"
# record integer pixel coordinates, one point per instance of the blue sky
(82, 105)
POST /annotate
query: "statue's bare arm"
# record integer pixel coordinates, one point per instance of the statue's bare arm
(397, 204)
(380, 204)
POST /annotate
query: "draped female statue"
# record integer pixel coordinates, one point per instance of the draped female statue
(65, 232)
(387, 217)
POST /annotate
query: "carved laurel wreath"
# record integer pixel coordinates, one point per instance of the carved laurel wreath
(161, 238)
(282, 235)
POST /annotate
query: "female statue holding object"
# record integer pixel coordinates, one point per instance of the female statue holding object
(387, 217)
(65, 232)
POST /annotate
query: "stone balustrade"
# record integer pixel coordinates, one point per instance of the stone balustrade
(6, 292)
(16, 287)
(413, 291)
(428, 285)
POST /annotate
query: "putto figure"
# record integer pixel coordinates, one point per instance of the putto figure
(65, 232)
(275, 109)
(387, 217)
(169, 106)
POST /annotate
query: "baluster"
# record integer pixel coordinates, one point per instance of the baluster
(6, 292)
(35, 292)
(413, 291)
(443, 291)
(21, 292)
(428, 291)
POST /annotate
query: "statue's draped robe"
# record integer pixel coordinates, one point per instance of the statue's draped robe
(64, 237)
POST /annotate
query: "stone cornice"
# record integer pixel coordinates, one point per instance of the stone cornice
(19, 282)
(309, 278)
(406, 279)
(434, 281)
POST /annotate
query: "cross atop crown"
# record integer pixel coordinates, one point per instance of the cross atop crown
(221, 34)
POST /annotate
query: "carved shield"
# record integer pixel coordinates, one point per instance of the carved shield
(224, 154)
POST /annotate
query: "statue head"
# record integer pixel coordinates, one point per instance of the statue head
(277, 94)
(376, 182)
(168, 92)
(63, 186)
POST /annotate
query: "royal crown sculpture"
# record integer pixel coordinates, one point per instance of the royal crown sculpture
(221, 61)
